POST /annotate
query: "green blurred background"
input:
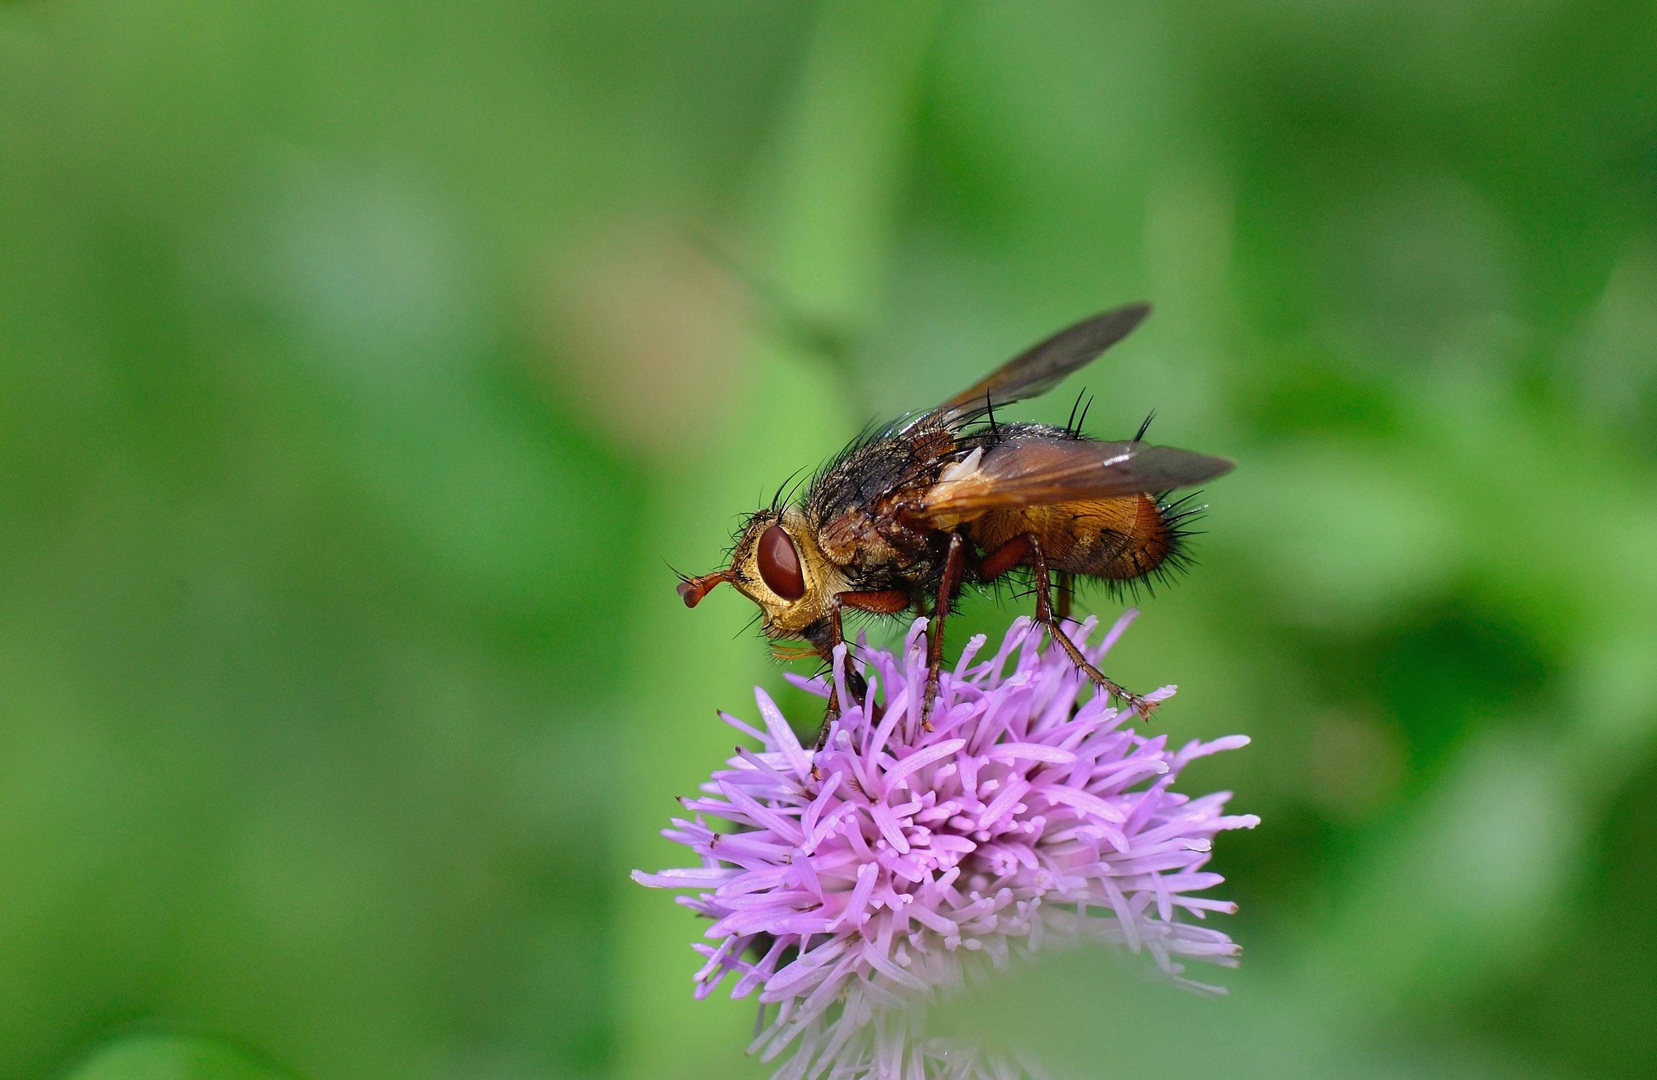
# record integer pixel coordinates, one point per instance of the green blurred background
(361, 364)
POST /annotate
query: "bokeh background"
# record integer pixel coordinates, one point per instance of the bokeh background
(361, 365)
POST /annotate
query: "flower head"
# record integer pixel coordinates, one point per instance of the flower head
(885, 866)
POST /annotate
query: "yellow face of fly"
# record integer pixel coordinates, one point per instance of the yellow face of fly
(778, 565)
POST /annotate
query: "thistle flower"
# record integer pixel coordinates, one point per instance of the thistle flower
(896, 861)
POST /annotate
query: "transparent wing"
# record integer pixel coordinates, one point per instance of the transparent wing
(1041, 367)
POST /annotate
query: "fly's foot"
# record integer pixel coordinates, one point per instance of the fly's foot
(1135, 703)
(830, 715)
(829, 718)
(1117, 692)
(929, 699)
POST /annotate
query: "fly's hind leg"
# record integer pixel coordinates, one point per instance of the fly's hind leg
(1027, 549)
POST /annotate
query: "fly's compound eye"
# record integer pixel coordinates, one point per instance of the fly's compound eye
(779, 564)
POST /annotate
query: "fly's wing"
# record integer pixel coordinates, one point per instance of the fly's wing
(1039, 368)
(1037, 471)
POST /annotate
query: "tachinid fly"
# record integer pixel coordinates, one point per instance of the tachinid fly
(907, 516)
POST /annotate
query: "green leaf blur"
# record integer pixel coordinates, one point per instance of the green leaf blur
(361, 364)
(162, 1057)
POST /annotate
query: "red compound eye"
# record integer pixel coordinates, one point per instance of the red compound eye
(779, 564)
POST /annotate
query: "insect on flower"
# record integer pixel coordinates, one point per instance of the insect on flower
(910, 513)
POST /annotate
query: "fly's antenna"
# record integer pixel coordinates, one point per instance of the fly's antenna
(1139, 436)
(692, 589)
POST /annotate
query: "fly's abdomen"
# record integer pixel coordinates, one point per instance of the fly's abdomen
(1118, 539)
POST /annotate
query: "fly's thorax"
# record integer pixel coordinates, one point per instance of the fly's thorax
(778, 564)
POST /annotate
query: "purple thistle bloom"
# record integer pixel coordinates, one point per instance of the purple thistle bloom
(888, 865)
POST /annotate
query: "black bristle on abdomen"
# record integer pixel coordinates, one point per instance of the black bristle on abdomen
(1177, 518)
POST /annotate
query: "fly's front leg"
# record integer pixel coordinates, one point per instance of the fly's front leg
(887, 602)
(953, 564)
(836, 639)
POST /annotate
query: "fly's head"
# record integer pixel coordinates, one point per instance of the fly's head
(778, 564)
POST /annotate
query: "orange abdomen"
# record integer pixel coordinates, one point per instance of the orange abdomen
(1119, 539)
